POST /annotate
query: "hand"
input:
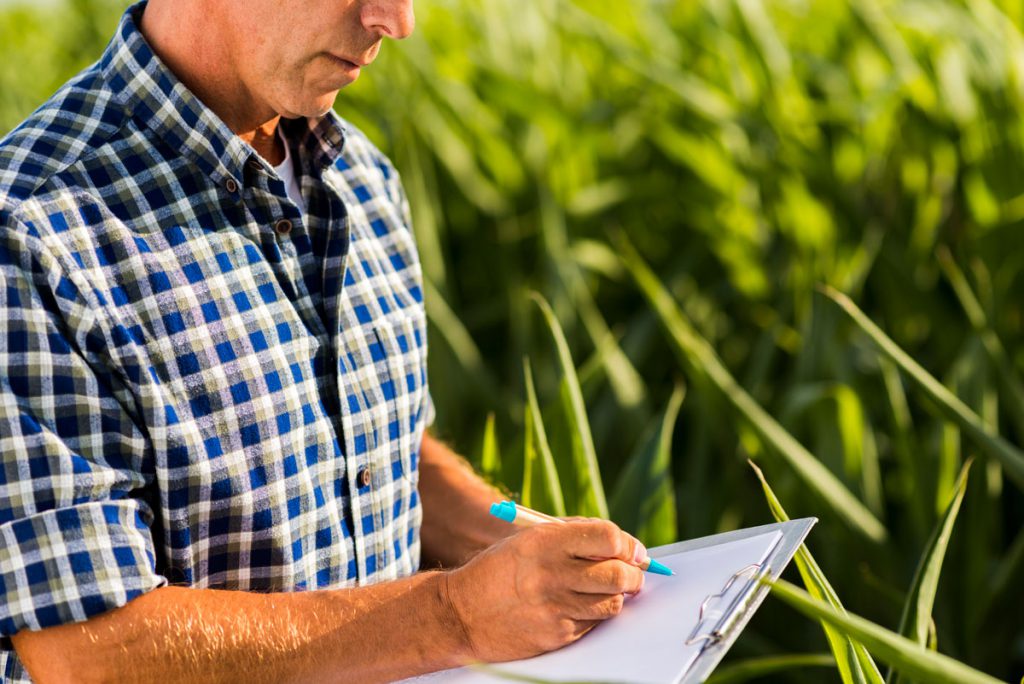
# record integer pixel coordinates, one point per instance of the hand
(543, 588)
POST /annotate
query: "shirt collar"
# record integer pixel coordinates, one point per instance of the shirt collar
(147, 88)
(323, 139)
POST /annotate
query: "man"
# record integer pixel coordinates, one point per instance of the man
(213, 396)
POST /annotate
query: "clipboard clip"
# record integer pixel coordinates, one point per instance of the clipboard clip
(725, 607)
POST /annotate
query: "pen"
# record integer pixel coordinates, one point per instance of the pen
(527, 517)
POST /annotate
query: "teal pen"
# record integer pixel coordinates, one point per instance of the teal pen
(527, 517)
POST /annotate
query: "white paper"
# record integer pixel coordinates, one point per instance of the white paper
(645, 644)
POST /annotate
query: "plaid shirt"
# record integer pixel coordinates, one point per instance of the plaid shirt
(199, 384)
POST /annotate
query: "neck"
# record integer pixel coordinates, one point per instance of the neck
(185, 38)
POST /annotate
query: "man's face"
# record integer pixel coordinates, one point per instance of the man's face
(296, 55)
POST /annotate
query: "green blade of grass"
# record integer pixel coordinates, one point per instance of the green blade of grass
(988, 441)
(852, 660)
(699, 95)
(644, 501)
(490, 457)
(755, 668)
(904, 655)
(588, 474)
(624, 379)
(849, 422)
(552, 486)
(455, 334)
(903, 437)
(999, 611)
(917, 611)
(698, 356)
(1007, 375)
(529, 458)
(1010, 571)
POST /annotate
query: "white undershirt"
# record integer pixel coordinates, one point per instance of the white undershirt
(286, 170)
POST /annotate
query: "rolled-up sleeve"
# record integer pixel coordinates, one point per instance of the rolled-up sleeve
(75, 536)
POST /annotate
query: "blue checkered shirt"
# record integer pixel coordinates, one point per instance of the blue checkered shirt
(199, 384)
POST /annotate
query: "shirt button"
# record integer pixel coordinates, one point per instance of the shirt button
(363, 477)
(231, 186)
(284, 226)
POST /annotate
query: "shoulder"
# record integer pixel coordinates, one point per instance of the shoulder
(79, 119)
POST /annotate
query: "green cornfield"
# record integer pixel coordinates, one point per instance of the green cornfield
(695, 265)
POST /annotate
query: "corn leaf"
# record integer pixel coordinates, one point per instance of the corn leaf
(454, 333)
(988, 441)
(529, 458)
(547, 496)
(625, 381)
(591, 500)
(644, 500)
(1007, 376)
(917, 611)
(852, 661)
(699, 358)
(904, 655)
(490, 457)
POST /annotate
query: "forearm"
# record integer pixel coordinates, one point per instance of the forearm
(177, 634)
(456, 504)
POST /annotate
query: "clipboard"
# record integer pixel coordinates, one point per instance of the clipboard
(655, 640)
(720, 638)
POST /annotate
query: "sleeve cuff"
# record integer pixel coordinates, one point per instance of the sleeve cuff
(69, 564)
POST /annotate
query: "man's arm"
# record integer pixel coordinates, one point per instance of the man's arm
(529, 593)
(456, 502)
(178, 634)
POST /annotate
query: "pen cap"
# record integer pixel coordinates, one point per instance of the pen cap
(506, 510)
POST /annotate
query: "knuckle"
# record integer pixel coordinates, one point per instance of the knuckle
(532, 537)
(615, 605)
(617, 577)
(532, 585)
(566, 631)
(612, 536)
(638, 581)
(609, 537)
(632, 579)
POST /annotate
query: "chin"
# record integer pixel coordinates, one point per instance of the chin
(312, 108)
(327, 105)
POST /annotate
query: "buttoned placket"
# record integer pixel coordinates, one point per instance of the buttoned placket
(349, 360)
(376, 459)
(360, 470)
(278, 222)
(347, 363)
(275, 214)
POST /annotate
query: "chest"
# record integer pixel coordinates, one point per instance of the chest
(270, 425)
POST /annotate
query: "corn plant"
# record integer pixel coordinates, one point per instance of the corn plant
(806, 214)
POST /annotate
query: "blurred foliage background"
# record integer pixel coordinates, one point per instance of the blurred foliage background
(750, 151)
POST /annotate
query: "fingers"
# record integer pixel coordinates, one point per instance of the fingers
(600, 539)
(606, 577)
(594, 607)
